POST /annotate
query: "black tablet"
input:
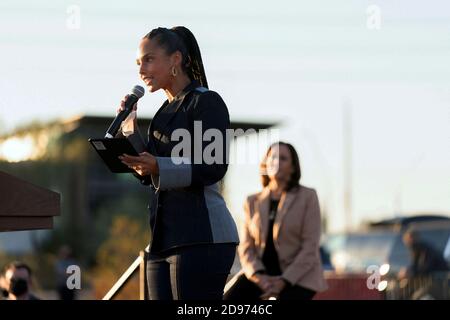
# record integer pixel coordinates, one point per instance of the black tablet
(110, 150)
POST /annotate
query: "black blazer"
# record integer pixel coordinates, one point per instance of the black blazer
(185, 205)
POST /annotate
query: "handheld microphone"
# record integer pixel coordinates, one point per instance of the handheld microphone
(136, 93)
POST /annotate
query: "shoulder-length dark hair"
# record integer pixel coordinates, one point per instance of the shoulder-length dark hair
(294, 180)
(183, 40)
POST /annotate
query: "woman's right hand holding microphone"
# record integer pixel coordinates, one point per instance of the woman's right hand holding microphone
(122, 107)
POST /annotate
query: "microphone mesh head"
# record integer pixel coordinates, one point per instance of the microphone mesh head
(138, 91)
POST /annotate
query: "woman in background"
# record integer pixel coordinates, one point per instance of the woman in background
(279, 249)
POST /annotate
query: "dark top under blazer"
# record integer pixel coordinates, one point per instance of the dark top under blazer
(185, 205)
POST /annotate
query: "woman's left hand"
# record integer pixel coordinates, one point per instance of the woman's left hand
(144, 164)
(277, 285)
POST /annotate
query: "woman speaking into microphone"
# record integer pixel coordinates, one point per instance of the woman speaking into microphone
(193, 236)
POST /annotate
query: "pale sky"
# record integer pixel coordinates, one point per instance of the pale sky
(290, 61)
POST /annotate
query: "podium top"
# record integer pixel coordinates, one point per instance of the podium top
(25, 206)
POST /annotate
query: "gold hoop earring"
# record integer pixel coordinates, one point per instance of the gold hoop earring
(174, 71)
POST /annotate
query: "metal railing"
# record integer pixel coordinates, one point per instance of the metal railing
(139, 263)
(435, 286)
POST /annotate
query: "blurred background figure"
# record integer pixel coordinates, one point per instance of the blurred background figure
(65, 260)
(16, 281)
(279, 249)
(426, 274)
(425, 259)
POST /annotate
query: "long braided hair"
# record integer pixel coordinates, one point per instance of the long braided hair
(181, 39)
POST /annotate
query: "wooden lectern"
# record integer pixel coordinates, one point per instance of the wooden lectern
(24, 206)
